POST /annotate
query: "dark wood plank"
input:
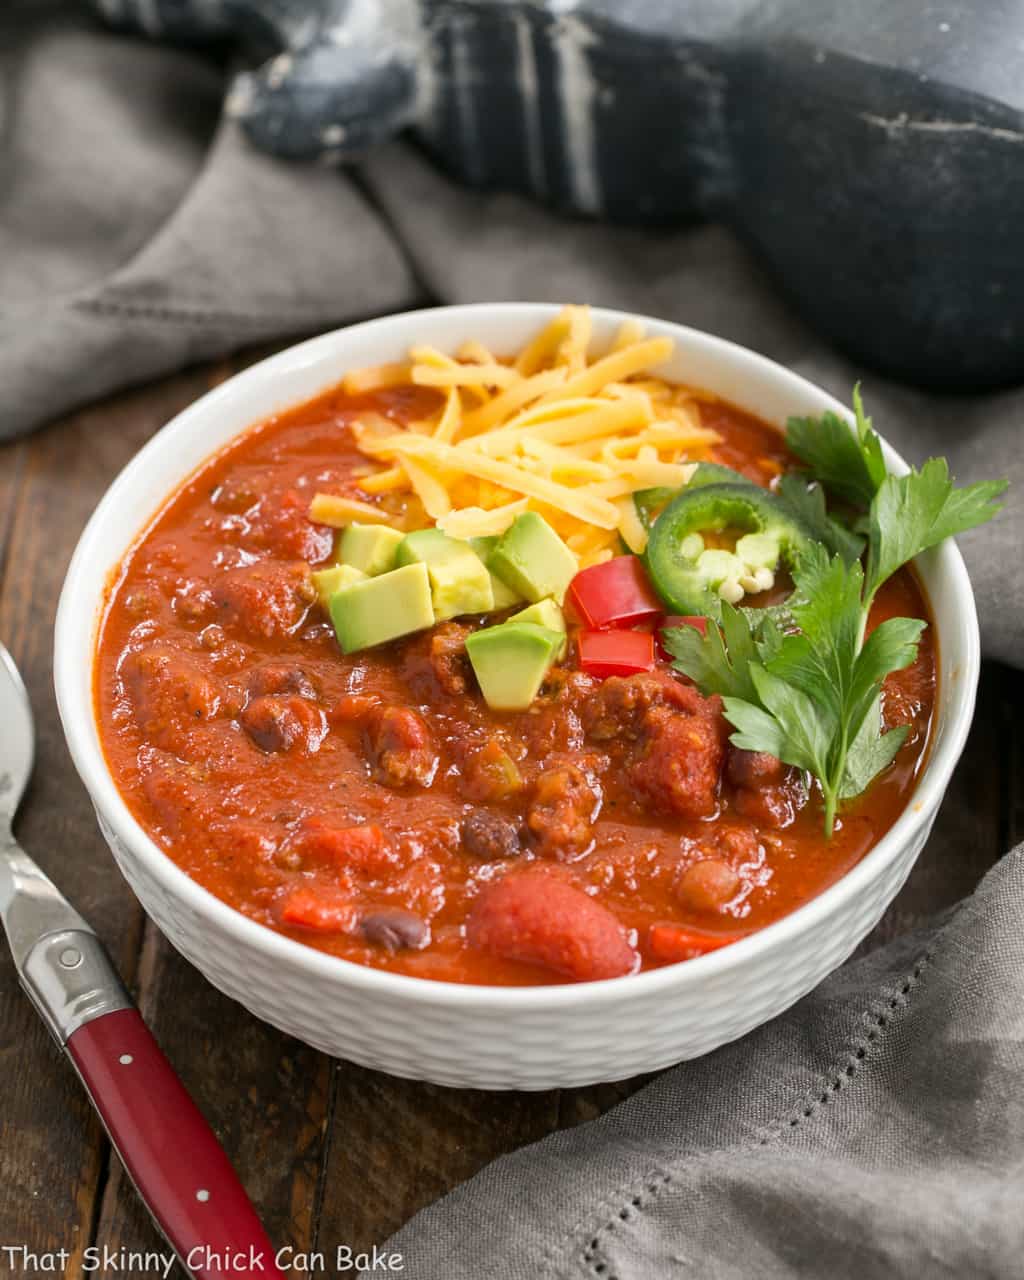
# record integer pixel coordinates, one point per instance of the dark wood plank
(51, 1146)
(58, 1154)
(264, 1093)
(12, 467)
(396, 1146)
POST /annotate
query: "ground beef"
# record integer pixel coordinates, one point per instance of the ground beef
(754, 768)
(488, 836)
(563, 807)
(400, 747)
(193, 601)
(489, 774)
(283, 526)
(668, 738)
(618, 708)
(678, 762)
(168, 693)
(448, 657)
(280, 677)
(284, 724)
(769, 792)
(437, 662)
(266, 599)
(275, 521)
(174, 789)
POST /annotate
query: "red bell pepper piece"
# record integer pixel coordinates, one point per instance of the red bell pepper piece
(615, 653)
(673, 942)
(617, 593)
(321, 910)
(679, 620)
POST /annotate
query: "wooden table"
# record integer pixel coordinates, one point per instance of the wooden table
(331, 1153)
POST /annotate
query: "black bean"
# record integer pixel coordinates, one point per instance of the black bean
(395, 929)
(487, 836)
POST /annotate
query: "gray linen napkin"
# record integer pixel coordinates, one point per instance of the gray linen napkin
(877, 1128)
(138, 233)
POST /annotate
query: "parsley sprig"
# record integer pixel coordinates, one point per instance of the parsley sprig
(811, 694)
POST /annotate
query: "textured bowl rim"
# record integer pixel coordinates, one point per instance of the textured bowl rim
(75, 646)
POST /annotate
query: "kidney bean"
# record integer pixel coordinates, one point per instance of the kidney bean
(284, 724)
(707, 885)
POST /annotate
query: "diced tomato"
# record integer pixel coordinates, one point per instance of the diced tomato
(617, 593)
(363, 849)
(679, 620)
(322, 910)
(673, 942)
(353, 707)
(535, 917)
(615, 653)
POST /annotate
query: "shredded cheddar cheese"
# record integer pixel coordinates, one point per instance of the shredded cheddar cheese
(559, 429)
(329, 509)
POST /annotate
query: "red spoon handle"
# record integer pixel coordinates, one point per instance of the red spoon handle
(169, 1151)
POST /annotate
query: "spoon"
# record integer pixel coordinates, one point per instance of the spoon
(167, 1148)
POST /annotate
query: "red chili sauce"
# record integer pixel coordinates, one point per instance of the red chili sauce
(373, 807)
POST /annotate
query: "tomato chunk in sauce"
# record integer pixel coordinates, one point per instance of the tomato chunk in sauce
(373, 807)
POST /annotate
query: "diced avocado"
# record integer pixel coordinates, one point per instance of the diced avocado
(328, 581)
(459, 580)
(545, 613)
(369, 547)
(374, 610)
(511, 661)
(423, 546)
(533, 560)
(504, 596)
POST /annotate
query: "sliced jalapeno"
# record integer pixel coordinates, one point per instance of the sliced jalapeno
(691, 577)
(650, 501)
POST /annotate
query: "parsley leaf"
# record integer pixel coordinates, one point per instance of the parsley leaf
(810, 696)
(801, 731)
(719, 660)
(808, 501)
(911, 513)
(799, 680)
(870, 752)
(890, 647)
(849, 464)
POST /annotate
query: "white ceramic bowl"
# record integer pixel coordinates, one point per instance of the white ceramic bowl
(488, 1037)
